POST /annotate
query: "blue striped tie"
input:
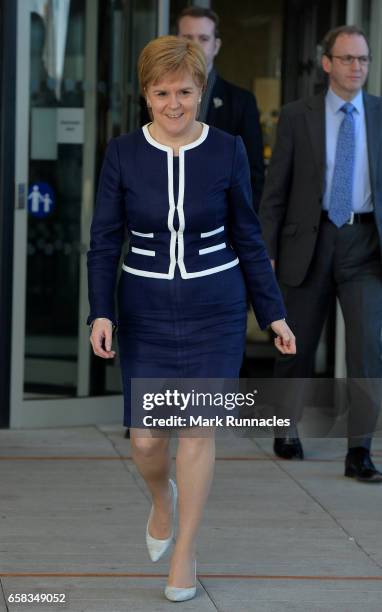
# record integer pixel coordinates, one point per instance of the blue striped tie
(340, 204)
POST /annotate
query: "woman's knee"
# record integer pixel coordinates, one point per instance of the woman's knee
(148, 447)
(196, 445)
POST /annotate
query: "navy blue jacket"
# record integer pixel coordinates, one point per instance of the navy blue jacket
(234, 110)
(210, 228)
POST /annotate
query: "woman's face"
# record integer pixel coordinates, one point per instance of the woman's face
(174, 103)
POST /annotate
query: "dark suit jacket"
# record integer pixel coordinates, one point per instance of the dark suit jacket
(235, 111)
(238, 115)
(291, 206)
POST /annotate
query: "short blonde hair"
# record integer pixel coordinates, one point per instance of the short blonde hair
(171, 54)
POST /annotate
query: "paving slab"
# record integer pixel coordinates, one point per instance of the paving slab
(292, 596)
(255, 529)
(80, 507)
(104, 595)
(367, 534)
(3, 607)
(75, 441)
(323, 449)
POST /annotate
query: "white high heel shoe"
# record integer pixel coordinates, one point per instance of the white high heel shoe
(181, 594)
(157, 548)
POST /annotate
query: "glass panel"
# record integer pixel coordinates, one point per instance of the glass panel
(125, 27)
(57, 99)
(251, 55)
(54, 196)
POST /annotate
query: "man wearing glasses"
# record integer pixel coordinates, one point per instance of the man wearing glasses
(321, 214)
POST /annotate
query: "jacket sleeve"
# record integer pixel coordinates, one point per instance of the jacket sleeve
(248, 243)
(250, 131)
(275, 195)
(106, 238)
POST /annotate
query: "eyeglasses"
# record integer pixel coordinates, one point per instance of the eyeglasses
(347, 60)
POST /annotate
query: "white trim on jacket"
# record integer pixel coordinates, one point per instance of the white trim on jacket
(176, 237)
(142, 251)
(151, 235)
(211, 249)
(212, 232)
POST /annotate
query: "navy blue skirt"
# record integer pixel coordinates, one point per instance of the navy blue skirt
(178, 328)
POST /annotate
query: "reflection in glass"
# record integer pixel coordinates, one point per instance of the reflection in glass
(55, 168)
(59, 90)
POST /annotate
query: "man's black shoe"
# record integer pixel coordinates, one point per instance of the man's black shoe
(359, 465)
(288, 448)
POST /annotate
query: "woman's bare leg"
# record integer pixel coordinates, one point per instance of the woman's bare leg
(152, 458)
(195, 462)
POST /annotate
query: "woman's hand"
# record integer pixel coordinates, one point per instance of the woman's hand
(285, 342)
(101, 335)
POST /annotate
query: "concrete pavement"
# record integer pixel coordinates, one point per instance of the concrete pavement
(277, 535)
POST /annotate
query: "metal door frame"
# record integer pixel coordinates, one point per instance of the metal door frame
(7, 148)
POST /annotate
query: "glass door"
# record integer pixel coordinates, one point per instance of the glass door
(62, 129)
(126, 26)
(54, 198)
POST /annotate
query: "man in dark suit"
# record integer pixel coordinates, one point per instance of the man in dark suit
(321, 214)
(225, 105)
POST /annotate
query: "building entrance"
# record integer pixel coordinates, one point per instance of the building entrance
(72, 96)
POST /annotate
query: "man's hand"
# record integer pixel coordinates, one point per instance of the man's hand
(102, 335)
(285, 342)
(273, 264)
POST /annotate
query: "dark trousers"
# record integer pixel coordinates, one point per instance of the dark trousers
(346, 263)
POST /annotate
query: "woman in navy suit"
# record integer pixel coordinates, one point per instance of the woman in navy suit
(182, 189)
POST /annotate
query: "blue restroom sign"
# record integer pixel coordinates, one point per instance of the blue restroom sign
(41, 199)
